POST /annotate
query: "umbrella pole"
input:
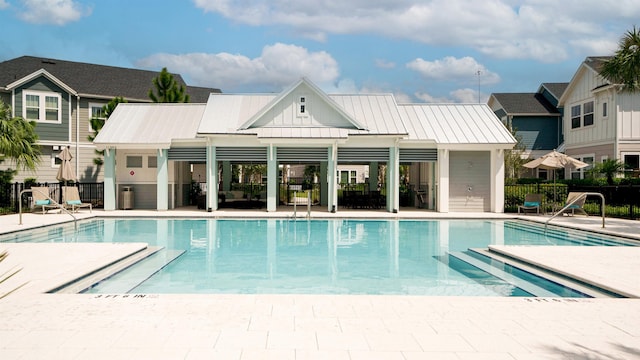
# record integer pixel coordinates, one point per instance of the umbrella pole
(554, 187)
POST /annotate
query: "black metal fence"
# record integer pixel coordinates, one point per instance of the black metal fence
(10, 194)
(621, 201)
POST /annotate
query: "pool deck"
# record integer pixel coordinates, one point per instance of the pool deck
(34, 325)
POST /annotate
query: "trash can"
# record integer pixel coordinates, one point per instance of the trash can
(126, 198)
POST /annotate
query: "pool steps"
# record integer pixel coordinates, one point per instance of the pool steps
(499, 259)
(503, 275)
(77, 285)
(153, 253)
(129, 278)
(554, 233)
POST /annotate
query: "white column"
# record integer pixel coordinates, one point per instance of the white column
(332, 180)
(393, 180)
(110, 179)
(443, 181)
(272, 179)
(497, 181)
(212, 179)
(162, 180)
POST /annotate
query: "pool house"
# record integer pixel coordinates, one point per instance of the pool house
(304, 146)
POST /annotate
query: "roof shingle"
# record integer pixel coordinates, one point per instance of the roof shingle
(94, 80)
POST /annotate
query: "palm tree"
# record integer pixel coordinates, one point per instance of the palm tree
(18, 140)
(624, 67)
(610, 168)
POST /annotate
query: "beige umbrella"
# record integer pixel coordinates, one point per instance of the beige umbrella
(555, 160)
(65, 172)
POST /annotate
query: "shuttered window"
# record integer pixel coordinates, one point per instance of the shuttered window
(363, 154)
(418, 155)
(244, 154)
(302, 154)
(188, 154)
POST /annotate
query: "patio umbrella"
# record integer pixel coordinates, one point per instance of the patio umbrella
(555, 160)
(65, 172)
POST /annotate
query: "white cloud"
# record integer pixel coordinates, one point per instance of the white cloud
(544, 30)
(462, 96)
(55, 12)
(467, 96)
(278, 66)
(428, 98)
(3, 4)
(384, 64)
(453, 69)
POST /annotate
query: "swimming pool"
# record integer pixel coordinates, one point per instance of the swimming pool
(409, 257)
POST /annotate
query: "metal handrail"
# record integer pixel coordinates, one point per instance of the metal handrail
(295, 204)
(579, 197)
(62, 208)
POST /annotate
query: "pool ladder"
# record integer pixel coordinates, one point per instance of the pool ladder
(578, 198)
(62, 208)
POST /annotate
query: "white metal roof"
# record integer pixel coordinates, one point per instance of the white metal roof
(455, 124)
(378, 112)
(157, 125)
(227, 114)
(150, 125)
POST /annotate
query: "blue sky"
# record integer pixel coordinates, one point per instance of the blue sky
(421, 51)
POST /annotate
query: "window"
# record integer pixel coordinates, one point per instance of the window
(354, 178)
(152, 162)
(604, 109)
(95, 112)
(582, 115)
(302, 106)
(134, 161)
(631, 162)
(579, 173)
(55, 160)
(588, 113)
(344, 177)
(543, 174)
(42, 106)
(575, 116)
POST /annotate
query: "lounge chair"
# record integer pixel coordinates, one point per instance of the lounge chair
(531, 202)
(72, 199)
(41, 199)
(576, 207)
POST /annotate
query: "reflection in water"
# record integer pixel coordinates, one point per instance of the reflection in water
(312, 256)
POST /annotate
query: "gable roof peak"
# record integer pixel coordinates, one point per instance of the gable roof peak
(315, 90)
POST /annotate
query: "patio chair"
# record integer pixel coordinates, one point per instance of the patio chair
(41, 199)
(71, 198)
(576, 207)
(531, 202)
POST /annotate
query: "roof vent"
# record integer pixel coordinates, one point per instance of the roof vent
(47, 61)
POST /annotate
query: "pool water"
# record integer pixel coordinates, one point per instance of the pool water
(406, 257)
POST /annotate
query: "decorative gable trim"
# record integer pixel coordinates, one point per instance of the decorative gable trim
(317, 91)
(46, 74)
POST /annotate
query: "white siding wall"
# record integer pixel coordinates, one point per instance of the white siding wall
(285, 113)
(628, 114)
(469, 181)
(603, 129)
